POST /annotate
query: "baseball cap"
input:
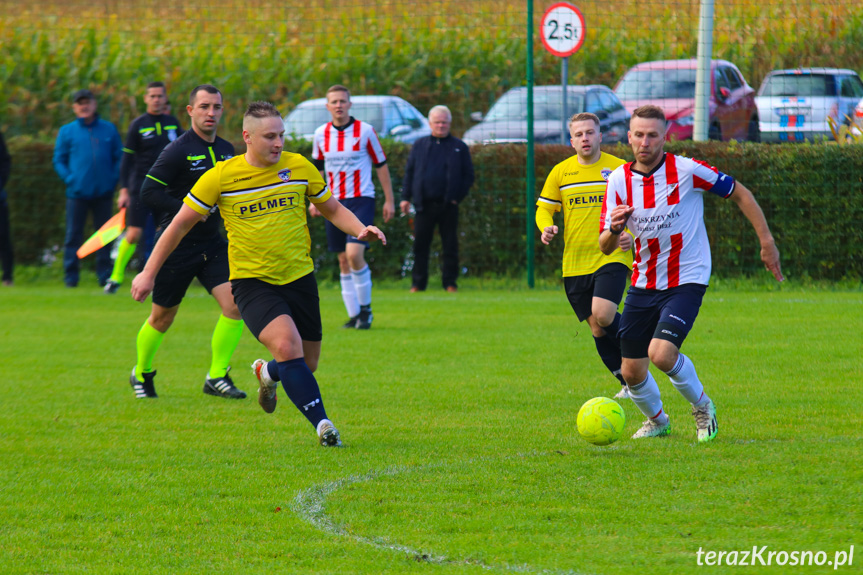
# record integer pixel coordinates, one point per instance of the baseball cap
(83, 95)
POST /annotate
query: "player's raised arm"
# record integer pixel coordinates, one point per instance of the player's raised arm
(345, 220)
(185, 219)
(744, 199)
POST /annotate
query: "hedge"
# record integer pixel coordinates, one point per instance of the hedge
(812, 195)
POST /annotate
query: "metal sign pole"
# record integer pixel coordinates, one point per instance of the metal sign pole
(564, 75)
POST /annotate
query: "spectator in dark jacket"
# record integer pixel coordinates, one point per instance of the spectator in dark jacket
(5, 233)
(437, 178)
(87, 158)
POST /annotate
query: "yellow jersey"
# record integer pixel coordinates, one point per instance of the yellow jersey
(579, 191)
(264, 210)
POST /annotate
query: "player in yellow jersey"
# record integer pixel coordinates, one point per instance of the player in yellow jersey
(594, 282)
(261, 197)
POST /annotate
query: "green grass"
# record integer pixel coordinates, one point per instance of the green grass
(461, 455)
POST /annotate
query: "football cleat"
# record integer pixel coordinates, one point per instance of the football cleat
(223, 387)
(623, 393)
(267, 387)
(705, 421)
(328, 434)
(352, 322)
(111, 287)
(144, 389)
(364, 320)
(651, 428)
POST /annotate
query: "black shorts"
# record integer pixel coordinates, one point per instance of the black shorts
(207, 261)
(261, 302)
(137, 212)
(364, 210)
(658, 314)
(608, 282)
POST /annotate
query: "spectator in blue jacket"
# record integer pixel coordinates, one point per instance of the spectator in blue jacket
(87, 158)
(437, 178)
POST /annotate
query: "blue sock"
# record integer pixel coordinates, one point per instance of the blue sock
(273, 370)
(302, 388)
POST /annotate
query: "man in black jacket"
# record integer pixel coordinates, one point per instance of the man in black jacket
(437, 178)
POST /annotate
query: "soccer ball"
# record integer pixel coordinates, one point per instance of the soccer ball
(601, 420)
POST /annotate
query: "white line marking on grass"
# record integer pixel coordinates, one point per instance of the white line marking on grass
(310, 505)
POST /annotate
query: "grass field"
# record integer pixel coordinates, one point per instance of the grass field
(461, 455)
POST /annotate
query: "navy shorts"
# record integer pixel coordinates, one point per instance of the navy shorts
(137, 212)
(364, 210)
(260, 303)
(608, 282)
(658, 314)
(207, 261)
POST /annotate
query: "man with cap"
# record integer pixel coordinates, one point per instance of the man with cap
(87, 157)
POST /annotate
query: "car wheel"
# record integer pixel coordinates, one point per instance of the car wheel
(754, 134)
(714, 133)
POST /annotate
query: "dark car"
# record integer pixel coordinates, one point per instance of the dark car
(390, 116)
(506, 121)
(670, 84)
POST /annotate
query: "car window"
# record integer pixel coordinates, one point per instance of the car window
(657, 84)
(592, 104)
(719, 79)
(409, 115)
(370, 113)
(812, 85)
(851, 87)
(609, 102)
(734, 81)
(305, 120)
(512, 106)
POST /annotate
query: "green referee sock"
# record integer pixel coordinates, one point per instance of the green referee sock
(226, 337)
(124, 253)
(149, 340)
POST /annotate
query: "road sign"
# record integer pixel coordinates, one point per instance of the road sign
(562, 29)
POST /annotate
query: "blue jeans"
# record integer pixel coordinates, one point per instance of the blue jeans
(76, 217)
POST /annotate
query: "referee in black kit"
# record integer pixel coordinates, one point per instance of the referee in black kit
(203, 253)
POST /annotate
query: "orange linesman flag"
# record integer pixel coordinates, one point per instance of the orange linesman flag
(105, 235)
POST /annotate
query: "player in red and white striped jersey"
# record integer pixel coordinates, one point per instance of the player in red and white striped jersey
(345, 150)
(659, 198)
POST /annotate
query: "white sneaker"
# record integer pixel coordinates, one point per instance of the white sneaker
(267, 390)
(651, 428)
(328, 434)
(705, 421)
(623, 393)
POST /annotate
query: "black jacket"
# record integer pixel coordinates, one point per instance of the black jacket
(454, 163)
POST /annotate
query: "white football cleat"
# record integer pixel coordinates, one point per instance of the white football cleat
(651, 428)
(705, 421)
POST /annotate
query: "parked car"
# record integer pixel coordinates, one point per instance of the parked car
(506, 121)
(390, 116)
(670, 84)
(797, 105)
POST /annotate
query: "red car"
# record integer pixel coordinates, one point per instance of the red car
(670, 84)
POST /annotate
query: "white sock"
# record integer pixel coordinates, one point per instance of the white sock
(645, 396)
(363, 285)
(349, 295)
(686, 381)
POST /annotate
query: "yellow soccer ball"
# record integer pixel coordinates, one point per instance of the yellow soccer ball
(601, 421)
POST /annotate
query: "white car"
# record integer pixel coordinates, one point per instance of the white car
(390, 116)
(796, 105)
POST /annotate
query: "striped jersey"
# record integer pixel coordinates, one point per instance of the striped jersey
(578, 190)
(264, 210)
(349, 152)
(671, 246)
